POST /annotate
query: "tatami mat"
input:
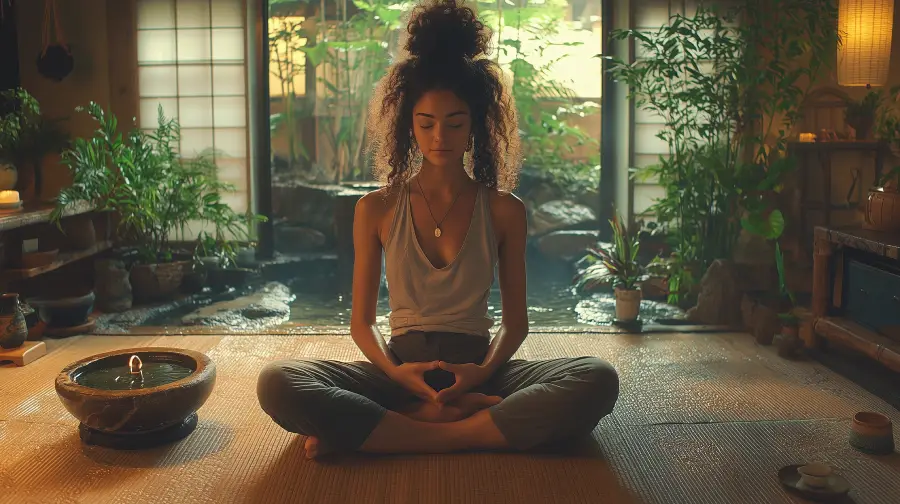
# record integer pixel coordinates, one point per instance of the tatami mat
(703, 418)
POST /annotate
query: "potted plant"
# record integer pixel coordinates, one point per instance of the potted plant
(154, 191)
(860, 115)
(27, 137)
(617, 265)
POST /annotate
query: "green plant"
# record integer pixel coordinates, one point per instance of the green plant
(26, 135)
(728, 83)
(861, 114)
(155, 191)
(616, 265)
(287, 38)
(546, 105)
(350, 55)
(864, 109)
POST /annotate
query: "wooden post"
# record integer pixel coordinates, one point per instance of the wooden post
(821, 286)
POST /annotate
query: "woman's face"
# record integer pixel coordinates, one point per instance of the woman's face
(442, 125)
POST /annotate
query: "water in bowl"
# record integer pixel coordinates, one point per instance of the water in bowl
(151, 374)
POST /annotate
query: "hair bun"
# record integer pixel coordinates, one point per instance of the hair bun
(445, 30)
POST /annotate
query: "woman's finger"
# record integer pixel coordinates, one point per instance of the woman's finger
(449, 393)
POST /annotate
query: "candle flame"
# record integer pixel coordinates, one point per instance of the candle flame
(135, 364)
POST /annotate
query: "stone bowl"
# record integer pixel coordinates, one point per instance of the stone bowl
(64, 312)
(142, 411)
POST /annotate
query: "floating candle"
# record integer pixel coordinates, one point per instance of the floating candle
(135, 364)
(9, 196)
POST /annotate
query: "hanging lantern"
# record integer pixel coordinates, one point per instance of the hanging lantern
(865, 52)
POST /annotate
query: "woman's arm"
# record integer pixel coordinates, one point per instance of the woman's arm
(512, 226)
(366, 281)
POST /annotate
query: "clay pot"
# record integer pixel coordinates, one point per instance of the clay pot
(151, 282)
(872, 432)
(788, 341)
(628, 304)
(883, 211)
(80, 232)
(13, 329)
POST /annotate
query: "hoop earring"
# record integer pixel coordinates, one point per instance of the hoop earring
(471, 144)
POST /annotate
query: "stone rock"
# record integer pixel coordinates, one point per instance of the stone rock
(293, 239)
(567, 244)
(268, 306)
(719, 300)
(559, 215)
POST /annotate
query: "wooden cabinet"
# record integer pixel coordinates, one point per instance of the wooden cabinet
(856, 292)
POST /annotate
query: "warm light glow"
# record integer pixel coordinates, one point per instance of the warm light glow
(286, 57)
(865, 27)
(9, 196)
(135, 364)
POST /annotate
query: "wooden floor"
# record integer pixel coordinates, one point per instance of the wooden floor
(702, 418)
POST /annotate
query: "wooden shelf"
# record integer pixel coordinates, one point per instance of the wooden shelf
(37, 214)
(872, 344)
(839, 145)
(62, 260)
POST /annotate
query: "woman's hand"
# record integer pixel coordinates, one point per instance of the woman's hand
(468, 376)
(411, 376)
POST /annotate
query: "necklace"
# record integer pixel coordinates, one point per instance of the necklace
(437, 225)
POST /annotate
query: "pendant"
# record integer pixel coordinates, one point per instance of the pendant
(437, 232)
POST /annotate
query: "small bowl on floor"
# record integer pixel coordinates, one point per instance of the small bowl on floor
(834, 488)
(872, 433)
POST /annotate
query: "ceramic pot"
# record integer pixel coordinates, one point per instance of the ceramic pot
(872, 432)
(13, 329)
(64, 312)
(8, 177)
(80, 232)
(883, 211)
(151, 282)
(628, 304)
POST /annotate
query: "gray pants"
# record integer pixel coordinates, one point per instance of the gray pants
(340, 403)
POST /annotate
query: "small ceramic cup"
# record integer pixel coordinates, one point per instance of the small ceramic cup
(872, 432)
(815, 475)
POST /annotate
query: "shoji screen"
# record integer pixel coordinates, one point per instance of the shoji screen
(191, 60)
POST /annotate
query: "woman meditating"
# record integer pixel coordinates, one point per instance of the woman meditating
(444, 132)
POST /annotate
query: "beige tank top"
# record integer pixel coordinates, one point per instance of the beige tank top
(449, 299)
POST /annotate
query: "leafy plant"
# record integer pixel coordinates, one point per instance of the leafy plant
(26, 135)
(861, 114)
(287, 39)
(546, 105)
(350, 55)
(155, 191)
(616, 265)
(771, 228)
(728, 83)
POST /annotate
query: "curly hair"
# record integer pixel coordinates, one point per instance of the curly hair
(446, 49)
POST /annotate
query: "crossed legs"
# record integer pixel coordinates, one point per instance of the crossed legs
(354, 406)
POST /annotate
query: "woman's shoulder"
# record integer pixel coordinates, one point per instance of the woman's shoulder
(376, 208)
(506, 204)
(379, 200)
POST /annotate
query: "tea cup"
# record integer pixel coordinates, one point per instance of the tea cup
(815, 475)
(872, 432)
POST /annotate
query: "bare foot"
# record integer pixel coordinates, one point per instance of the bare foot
(472, 403)
(430, 412)
(458, 409)
(311, 447)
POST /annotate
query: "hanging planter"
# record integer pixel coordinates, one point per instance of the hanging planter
(55, 61)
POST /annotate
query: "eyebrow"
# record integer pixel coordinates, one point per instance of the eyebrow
(458, 112)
